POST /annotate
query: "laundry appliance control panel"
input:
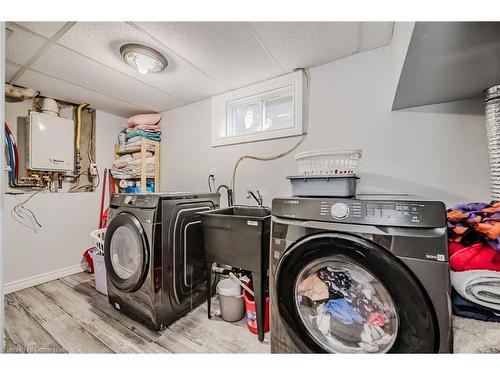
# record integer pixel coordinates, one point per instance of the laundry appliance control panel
(135, 200)
(425, 214)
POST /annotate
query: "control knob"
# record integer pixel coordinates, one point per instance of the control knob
(340, 210)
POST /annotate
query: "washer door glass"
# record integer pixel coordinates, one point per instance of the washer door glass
(344, 307)
(126, 251)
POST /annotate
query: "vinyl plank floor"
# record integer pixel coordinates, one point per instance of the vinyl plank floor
(24, 333)
(72, 336)
(69, 315)
(114, 335)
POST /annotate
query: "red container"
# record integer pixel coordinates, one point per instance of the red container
(251, 313)
(89, 260)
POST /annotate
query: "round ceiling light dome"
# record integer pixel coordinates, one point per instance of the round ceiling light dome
(142, 58)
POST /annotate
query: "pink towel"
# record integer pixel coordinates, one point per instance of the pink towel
(147, 119)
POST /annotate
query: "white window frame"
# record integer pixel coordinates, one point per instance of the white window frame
(220, 109)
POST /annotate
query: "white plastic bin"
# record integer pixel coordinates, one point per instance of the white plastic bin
(97, 255)
(328, 162)
(232, 305)
(99, 272)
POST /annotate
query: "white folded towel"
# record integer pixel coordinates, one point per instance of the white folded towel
(481, 287)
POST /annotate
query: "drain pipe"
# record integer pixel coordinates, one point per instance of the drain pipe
(492, 114)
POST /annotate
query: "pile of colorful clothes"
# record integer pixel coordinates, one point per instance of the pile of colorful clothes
(344, 307)
(474, 253)
(138, 127)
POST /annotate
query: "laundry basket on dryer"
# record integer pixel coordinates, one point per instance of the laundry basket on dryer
(328, 162)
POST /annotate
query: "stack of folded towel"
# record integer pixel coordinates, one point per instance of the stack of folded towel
(141, 126)
(474, 252)
(129, 166)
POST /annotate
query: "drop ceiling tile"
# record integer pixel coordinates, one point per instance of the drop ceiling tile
(70, 66)
(101, 41)
(227, 51)
(306, 44)
(52, 87)
(375, 34)
(22, 45)
(10, 70)
(46, 29)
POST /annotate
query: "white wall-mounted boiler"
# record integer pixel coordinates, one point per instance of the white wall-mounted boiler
(49, 143)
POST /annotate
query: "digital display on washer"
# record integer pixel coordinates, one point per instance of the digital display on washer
(386, 211)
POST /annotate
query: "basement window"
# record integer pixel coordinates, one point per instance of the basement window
(267, 110)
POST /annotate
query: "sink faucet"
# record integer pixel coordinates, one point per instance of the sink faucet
(229, 194)
(258, 197)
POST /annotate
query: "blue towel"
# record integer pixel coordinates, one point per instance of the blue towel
(467, 309)
(142, 133)
(343, 311)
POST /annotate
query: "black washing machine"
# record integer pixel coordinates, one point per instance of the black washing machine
(154, 255)
(363, 275)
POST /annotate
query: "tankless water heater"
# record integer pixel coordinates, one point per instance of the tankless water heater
(49, 143)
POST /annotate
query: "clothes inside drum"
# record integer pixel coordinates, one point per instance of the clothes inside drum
(345, 308)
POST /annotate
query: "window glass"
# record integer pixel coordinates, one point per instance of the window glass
(278, 111)
(126, 251)
(245, 118)
(268, 112)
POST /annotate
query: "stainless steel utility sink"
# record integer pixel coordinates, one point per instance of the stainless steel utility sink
(238, 236)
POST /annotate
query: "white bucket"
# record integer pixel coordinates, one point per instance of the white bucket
(99, 272)
(232, 305)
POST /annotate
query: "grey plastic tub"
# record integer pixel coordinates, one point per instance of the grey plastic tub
(324, 186)
(232, 305)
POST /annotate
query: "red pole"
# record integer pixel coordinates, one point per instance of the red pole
(104, 180)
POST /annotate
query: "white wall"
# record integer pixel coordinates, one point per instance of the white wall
(2, 99)
(437, 151)
(67, 219)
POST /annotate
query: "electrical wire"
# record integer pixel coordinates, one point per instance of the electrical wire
(98, 179)
(22, 214)
(285, 153)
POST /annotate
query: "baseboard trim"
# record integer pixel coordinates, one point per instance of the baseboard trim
(14, 286)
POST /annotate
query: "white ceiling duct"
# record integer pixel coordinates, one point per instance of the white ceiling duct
(18, 94)
(492, 114)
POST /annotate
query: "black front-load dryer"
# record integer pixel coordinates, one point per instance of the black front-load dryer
(361, 275)
(154, 255)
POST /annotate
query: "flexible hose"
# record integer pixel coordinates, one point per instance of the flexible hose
(262, 158)
(79, 125)
(11, 156)
(16, 154)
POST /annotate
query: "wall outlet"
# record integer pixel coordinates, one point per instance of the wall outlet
(93, 169)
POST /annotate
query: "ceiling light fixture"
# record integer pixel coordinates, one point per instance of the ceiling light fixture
(144, 59)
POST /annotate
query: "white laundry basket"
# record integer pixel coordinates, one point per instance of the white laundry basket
(97, 255)
(328, 162)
